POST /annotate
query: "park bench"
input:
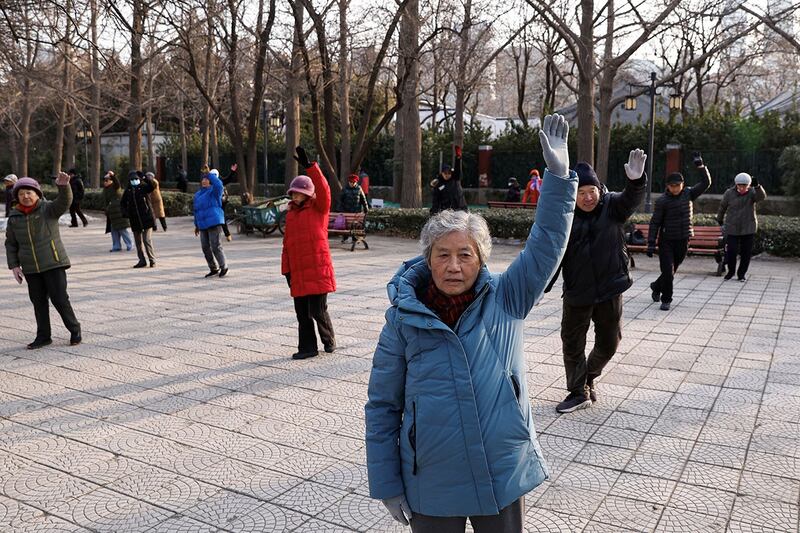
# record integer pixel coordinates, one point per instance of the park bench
(354, 228)
(707, 240)
(509, 205)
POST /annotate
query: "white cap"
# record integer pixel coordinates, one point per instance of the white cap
(742, 178)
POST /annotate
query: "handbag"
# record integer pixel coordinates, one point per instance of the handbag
(340, 222)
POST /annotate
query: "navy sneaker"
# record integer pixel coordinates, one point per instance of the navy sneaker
(573, 402)
(304, 355)
(656, 295)
(664, 306)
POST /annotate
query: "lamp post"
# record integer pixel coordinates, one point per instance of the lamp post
(675, 103)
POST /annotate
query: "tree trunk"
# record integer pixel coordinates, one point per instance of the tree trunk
(25, 129)
(135, 111)
(461, 75)
(70, 144)
(66, 83)
(292, 105)
(698, 73)
(205, 135)
(399, 151)
(214, 142)
(151, 147)
(585, 107)
(604, 128)
(344, 94)
(183, 141)
(96, 167)
(411, 188)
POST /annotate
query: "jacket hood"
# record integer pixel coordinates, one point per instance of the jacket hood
(414, 274)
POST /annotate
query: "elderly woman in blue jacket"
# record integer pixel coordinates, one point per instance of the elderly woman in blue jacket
(449, 428)
(209, 219)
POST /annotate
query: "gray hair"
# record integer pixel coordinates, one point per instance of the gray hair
(449, 221)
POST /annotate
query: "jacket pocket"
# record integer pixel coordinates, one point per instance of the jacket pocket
(412, 435)
(55, 251)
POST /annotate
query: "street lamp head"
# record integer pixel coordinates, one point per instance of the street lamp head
(676, 101)
(630, 103)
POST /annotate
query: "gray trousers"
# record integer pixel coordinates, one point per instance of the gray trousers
(144, 243)
(212, 247)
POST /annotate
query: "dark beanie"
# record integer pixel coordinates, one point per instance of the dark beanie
(586, 175)
(675, 177)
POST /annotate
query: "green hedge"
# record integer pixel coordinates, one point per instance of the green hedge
(777, 235)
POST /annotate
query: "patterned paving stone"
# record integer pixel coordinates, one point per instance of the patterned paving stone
(311, 498)
(769, 487)
(354, 511)
(105, 510)
(679, 521)
(45, 488)
(640, 487)
(223, 508)
(703, 500)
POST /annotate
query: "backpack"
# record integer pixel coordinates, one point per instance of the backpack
(340, 222)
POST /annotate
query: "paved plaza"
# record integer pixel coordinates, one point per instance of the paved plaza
(183, 411)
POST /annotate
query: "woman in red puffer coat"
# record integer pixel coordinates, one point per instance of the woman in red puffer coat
(306, 260)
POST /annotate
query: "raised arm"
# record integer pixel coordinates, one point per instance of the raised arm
(705, 177)
(59, 206)
(623, 204)
(759, 194)
(523, 283)
(321, 188)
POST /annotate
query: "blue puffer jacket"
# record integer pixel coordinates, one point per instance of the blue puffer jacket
(208, 210)
(448, 420)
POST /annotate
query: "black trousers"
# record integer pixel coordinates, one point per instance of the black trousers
(51, 285)
(75, 209)
(509, 520)
(575, 319)
(739, 245)
(671, 254)
(310, 309)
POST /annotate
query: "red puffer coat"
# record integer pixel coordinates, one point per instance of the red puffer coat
(306, 254)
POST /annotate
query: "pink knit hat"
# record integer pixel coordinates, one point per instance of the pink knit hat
(302, 184)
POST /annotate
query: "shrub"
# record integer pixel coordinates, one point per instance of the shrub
(789, 163)
(777, 235)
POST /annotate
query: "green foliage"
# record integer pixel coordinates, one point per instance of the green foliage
(777, 235)
(789, 163)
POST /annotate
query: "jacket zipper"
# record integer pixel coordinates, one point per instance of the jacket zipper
(412, 435)
(55, 252)
(30, 238)
(477, 296)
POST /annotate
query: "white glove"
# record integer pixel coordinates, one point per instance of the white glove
(62, 179)
(634, 168)
(553, 137)
(17, 271)
(398, 508)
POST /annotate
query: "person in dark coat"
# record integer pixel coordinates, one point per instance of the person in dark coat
(595, 271)
(513, 193)
(306, 257)
(135, 204)
(737, 211)
(36, 254)
(352, 199)
(9, 182)
(671, 224)
(182, 179)
(116, 222)
(78, 192)
(447, 191)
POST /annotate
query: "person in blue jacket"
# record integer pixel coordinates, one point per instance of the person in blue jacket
(208, 221)
(449, 428)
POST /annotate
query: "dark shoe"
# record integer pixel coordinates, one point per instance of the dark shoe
(656, 295)
(38, 343)
(140, 264)
(329, 348)
(86, 223)
(664, 306)
(73, 225)
(728, 276)
(591, 391)
(573, 402)
(152, 264)
(743, 279)
(75, 339)
(304, 355)
(117, 250)
(223, 271)
(211, 273)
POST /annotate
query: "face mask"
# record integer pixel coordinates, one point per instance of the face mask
(135, 182)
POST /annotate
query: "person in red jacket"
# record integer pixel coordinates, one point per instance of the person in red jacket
(306, 260)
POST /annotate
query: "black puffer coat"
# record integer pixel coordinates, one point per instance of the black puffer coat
(78, 190)
(595, 265)
(448, 194)
(672, 214)
(136, 206)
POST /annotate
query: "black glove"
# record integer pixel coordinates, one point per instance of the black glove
(302, 157)
(288, 277)
(651, 249)
(754, 183)
(697, 159)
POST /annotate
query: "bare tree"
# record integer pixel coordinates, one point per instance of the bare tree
(408, 136)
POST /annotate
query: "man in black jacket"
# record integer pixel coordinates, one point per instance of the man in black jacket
(595, 270)
(78, 192)
(447, 191)
(671, 223)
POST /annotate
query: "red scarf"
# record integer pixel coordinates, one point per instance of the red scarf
(447, 308)
(26, 210)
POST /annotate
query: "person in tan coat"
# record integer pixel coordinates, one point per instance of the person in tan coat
(157, 201)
